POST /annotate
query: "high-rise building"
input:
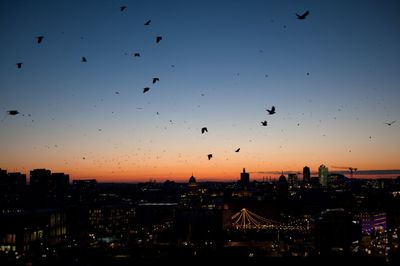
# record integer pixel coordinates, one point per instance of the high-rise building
(244, 178)
(306, 174)
(44, 184)
(292, 179)
(323, 175)
(39, 181)
(12, 182)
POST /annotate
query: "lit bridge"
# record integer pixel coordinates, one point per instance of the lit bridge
(246, 219)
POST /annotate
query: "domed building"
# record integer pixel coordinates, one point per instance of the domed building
(283, 186)
(192, 182)
(282, 180)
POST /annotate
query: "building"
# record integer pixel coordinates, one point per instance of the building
(192, 182)
(292, 179)
(110, 220)
(336, 180)
(24, 230)
(283, 187)
(12, 185)
(323, 175)
(244, 178)
(306, 175)
(371, 222)
(84, 190)
(47, 186)
(335, 231)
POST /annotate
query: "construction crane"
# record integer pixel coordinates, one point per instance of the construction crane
(351, 169)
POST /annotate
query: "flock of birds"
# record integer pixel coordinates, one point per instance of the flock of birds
(158, 39)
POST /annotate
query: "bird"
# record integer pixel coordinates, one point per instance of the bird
(272, 111)
(303, 16)
(84, 59)
(39, 39)
(237, 150)
(158, 39)
(264, 123)
(391, 123)
(209, 156)
(122, 8)
(117, 92)
(203, 130)
(146, 89)
(19, 65)
(155, 80)
(148, 22)
(136, 55)
(12, 112)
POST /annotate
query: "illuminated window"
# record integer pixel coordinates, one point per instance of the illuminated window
(9, 238)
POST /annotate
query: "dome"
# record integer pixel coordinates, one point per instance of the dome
(192, 181)
(282, 179)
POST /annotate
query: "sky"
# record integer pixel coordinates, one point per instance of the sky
(333, 77)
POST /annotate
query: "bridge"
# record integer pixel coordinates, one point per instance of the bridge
(245, 219)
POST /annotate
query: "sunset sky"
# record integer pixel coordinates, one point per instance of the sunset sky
(334, 79)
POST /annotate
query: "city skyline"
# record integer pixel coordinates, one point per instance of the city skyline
(333, 78)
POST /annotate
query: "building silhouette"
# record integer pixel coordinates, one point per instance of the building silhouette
(323, 175)
(12, 184)
(306, 175)
(283, 187)
(46, 186)
(244, 178)
(192, 182)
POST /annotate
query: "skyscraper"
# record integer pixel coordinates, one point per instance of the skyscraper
(292, 179)
(306, 174)
(323, 175)
(244, 178)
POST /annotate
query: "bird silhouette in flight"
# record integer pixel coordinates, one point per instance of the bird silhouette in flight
(303, 16)
(209, 156)
(117, 92)
(203, 130)
(148, 22)
(158, 39)
(122, 8)
(39, 39)
(264, 123)
(84, 59)
(155, 80)
(272, 111)
(19, 65)
(146, 89)
(391, 123)
(13, 112)
(136, 55)
(237, 150)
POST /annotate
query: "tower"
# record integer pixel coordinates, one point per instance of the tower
(244, 178)
(306, 174)
(323, 175)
